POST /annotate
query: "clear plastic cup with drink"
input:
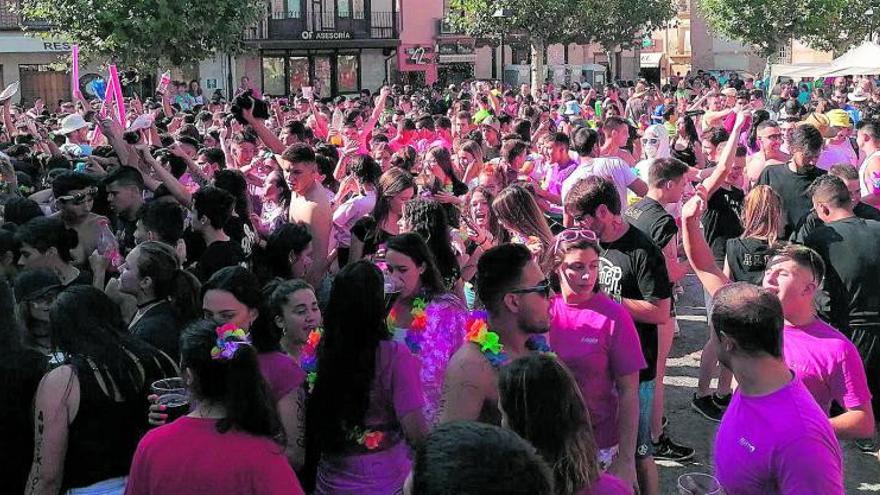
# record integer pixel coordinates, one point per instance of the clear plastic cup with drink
(699, 484)
(172, 394)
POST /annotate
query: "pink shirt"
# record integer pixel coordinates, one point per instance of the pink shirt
(607, 485)
(190, 456)
(598, 342)
(780, 443)
(827, 363)
(281, 372)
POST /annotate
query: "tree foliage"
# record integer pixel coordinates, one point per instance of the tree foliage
(612, 23)
(769, 25)
(148, 33)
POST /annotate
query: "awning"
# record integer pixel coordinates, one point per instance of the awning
(651, 59)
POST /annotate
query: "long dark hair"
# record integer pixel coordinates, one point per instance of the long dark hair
(758, 117)
(443, 158)
(159, 262)
(236, 383)
(413, 246)
(427, 218)
(391, 183)
(86, 324)
(233, 182)
(353, 328)
(286, 238)
(543, 404)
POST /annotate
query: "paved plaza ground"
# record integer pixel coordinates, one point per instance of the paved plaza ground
(689, 428)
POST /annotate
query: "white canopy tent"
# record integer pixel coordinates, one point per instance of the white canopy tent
(861, 60)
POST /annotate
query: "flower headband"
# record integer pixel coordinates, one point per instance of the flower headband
(229, 338)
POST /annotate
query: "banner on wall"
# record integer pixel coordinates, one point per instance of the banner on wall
(417, 57)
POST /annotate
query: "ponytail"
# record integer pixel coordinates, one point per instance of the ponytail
(159, 261)
(233, 381)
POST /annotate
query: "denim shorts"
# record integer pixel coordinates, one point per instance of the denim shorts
(644, 445)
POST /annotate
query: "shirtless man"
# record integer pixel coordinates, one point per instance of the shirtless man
(616, 131)
(868, 139)
(309, 203)
(770, 136)
(516, 295)
(74, 194)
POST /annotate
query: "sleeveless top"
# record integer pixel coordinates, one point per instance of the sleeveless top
(747, 259)
(866, 182)
(105, 432)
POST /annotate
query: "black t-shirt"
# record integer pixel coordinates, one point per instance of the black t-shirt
(852, 272)
(792, 188)
(721, 220)
(216, 256)
(811, 222)
(20, 374)
(685, 154)
(747, 258)
(124, 232)
(632, 267)
(241, 231)
(366, 232)
(653, 220)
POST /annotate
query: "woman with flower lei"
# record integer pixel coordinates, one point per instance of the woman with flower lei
(366, 406)
(424, 316)
(292, 322)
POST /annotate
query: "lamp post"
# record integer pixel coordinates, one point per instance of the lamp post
(502, 13)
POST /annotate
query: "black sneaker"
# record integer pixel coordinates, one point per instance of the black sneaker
(867, 446)
(722, 401)
(667, 450)
(707, 408)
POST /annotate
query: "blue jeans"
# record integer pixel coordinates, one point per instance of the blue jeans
(644, 445)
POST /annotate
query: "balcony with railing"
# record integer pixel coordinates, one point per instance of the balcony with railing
(326, 26)
(10, 21)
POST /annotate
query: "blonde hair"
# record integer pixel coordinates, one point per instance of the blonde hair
(762, 214)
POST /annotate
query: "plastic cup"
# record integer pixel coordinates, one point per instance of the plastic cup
(698, 484)
(173, 395)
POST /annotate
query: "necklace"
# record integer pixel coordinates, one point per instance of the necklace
(415, 333)
(477, 331)
(308, 358)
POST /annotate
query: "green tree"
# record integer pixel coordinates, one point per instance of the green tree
(613, 23)
(542, 21)
(626, 22)
(148, 33)
(769, 25)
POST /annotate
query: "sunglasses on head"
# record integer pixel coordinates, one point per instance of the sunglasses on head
(543, 288)
(80, 197)
(574, 234)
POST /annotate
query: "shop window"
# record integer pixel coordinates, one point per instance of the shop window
(343, 8)
(299, 73)
(273, 75)
(347, 69)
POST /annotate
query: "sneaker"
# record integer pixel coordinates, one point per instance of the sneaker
(722, 401)
(867, 446)
(667, 450)
(707, 408)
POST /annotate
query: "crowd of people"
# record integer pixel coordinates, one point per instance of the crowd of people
(433, 290)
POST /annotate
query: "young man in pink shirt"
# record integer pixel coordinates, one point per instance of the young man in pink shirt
(824, 360)
(774, 438)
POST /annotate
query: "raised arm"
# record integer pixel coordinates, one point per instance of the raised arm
(696, 247)
(725, 160)
(264, 133)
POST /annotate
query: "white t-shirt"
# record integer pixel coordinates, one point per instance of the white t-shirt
(611, 168)
(348, 213)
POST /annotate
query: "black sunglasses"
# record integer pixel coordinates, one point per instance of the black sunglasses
(542, 288)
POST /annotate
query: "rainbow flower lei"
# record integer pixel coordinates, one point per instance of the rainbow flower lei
(371, 439)
(478, 332)
(229, 338)
(308, 359)
(415, 333)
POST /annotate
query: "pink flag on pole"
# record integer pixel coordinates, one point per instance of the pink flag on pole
(74, 72)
